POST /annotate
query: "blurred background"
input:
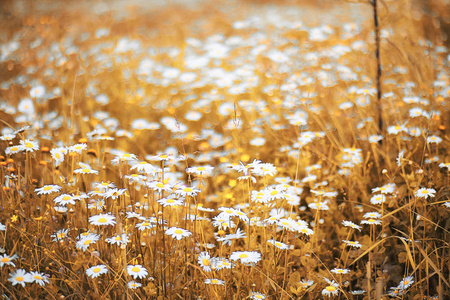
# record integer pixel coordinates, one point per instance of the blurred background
(433, 16)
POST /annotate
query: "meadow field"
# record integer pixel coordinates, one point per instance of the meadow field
(224, 150)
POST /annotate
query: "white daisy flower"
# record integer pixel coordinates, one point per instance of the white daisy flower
(137, 271)
(96, 271)
(178, 233)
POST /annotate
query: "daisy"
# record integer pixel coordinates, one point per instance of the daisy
(385, 189)
(160, 157)
(375, 138)
(200, 170)
(135, 178)
(186, 191)
(159, 186)
(125, 157)
(279, 245)
(425, 193)
(39, 278)
(170, 201)
(204, 260)
(145, 225)
(102, 219)
(406, 282)
(96, 271)
(133, 284)
(84, 242)
(5, 259)
(371, 222)
(340, 271)
(378, 199)
(265, 169)
(319, 206)
(115, 193)
(47, 189)
(60, 235)
(65, 199)
(144, 167)
(104, 185)
(85, 169)
(214, 281)
(372, 215)
(13, 149)
(246, 256)
(358, 292)
(221, 263)
(257, 296)
(29, 145)
(331, 290)
(7, 137)
(19, 276)
(58, 155)
(434, 139)
(137, 271)
(306, 283)
(118, 239)
(78, 148)
(178, 233)
(351, 224)
(355, 244)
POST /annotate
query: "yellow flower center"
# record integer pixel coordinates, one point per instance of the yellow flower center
(102, 220)
(57, 155)
(19, 278)
(135, 269)
(5, 260)
(96, 270)
(66, 198)
(47, 188)
(160, 185)
(330, 288)
(243, 255)
(273, 193)
(28, 145)
(178, 231)
(85, 170)
(87, 242)
(201, 169)
(170, 201)
(215, 281)
(187, 189)
(206, 262)
(37, 277)
(117, 238)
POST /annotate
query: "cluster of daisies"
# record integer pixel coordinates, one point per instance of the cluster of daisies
(21, 276)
